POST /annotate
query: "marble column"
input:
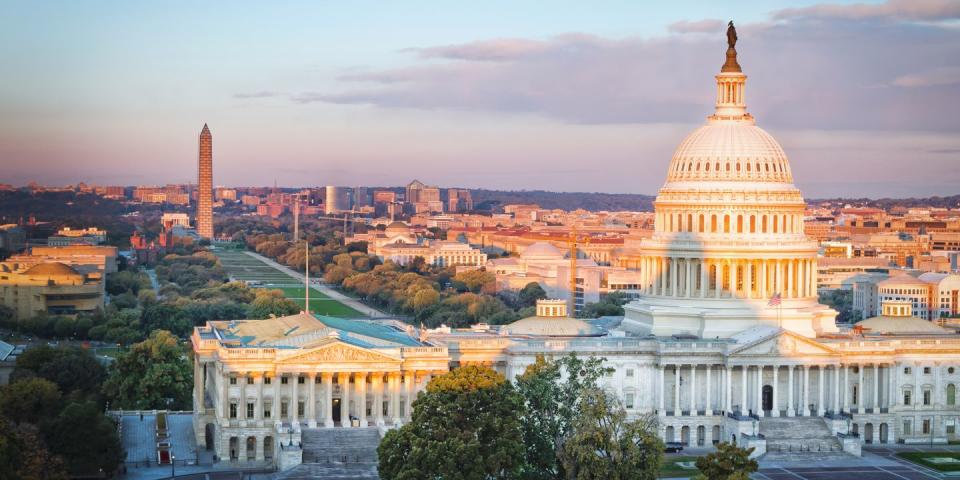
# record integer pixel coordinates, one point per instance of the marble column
(327, 379)
(312, 398)
(745, 407)
(688, 281)
(860, 396)
(395, 397)
(776, 392)
(295, 400)
(361, 379)
(376, 384)
(198, 384)
(759, 394)
(676, 390)
(708, 408)
(727, 386)
(836, 388)
(344, 381)
(763, 279)
(674, 270)
(876, 388)
(748, 280)
(846, 388)
(790, 410)
(663, 385)
(704, 279)
(693, 390)
(408, 378)
(820, 391)
(805, 408)
(242, 401)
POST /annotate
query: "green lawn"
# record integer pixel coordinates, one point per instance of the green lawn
(923, 458)
(670, 468)
(244, 267)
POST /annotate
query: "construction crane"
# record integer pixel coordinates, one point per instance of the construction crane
(573, 242)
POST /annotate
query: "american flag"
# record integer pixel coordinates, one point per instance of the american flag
(774, 300)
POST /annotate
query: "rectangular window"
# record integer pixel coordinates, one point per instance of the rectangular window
(926, 397)
(233, 410)
(266, 410)
(926, 426)
(233, 380)
(629, 372)
(266, 380)
(299, 409)
(316, 379)
(284, 410)
(906, 370)
(926, 370)
(951, 429)
(906, 397)
(629, 400)
(907, 427)
(249, 380)
(284, 380)
(249, 410)
(300, 380)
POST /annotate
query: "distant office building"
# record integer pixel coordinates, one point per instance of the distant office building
(361, 197)
(384, 196)
(49, 288)
(205, 184)
(418, 192)
(337, 200)
(226, 194)
(459, 200)
(86, 236)
(12, 238)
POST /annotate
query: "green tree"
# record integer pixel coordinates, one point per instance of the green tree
(24, 456)
(29, 400)
(530, 293)
(727, 462)
(604, 444)
(271, 302)
(75, 371)
(85, 438)
(551, 406)
(477, 281)
(465, 426)
(154, 373)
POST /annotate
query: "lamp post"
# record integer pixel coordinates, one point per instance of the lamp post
(173, 465)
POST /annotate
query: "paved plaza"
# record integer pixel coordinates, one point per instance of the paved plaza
(139, 438)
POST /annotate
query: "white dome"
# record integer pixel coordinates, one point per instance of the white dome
(729, 151)
(542, 250)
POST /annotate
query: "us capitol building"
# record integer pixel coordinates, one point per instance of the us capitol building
(727, 342)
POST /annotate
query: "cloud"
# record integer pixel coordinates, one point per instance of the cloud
(918, 10)
(833, 73)
(260, 94)
(934, 77)
(699, 26)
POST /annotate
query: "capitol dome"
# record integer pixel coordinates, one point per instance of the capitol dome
(729, 152)
(728, 233)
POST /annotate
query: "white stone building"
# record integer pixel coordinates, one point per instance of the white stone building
(701, 349)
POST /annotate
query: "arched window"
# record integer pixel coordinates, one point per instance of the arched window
(726, 224)
(748, 166)
(707, 167)
(774, 222)
(713, 224)
(701, 223)
(783, 224)
(728, 167)
(739, 223)
(753, 224)
(738, 166)
(698, 166)
(763, 224)
(689, 222)
(951, 394)
(717, 166)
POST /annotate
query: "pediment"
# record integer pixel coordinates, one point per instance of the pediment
(340, 352)
(784, 344)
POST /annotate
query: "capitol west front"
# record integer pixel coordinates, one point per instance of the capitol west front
(703, 349)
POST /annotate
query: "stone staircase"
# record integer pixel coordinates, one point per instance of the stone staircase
(340, 445)
(799, 436)
(312, 471)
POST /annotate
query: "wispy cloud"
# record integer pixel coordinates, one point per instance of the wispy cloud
(260, 94)
(930, 78)
(921, 10)
(699, 26)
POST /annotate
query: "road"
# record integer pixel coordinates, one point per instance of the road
(351, 302)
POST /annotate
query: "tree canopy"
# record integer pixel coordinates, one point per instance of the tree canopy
(464, 426)
(727, 462)
(153, 374)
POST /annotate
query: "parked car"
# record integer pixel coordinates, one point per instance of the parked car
(673, 447)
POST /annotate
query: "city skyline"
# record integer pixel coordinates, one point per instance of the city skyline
(318, 102)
